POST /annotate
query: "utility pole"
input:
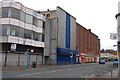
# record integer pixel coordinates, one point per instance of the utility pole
(118, 43)
(119, 57)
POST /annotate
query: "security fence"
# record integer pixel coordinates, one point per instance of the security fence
(18, 58)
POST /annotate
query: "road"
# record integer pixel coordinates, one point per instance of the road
(63, 71)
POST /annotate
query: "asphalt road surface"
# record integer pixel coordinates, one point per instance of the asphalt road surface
(63, 71)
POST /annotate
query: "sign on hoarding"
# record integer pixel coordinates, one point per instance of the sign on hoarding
(104, 55)
(13, 46)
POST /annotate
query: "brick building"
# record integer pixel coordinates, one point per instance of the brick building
(87, 43)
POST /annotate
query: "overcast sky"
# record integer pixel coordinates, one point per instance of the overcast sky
(97, 15)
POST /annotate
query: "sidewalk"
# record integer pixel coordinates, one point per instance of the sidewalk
(30, 67)
(23, 67)
(110, 74)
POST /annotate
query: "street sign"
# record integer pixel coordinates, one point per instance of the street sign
(71, 55)
(113, 36)
(13, 47)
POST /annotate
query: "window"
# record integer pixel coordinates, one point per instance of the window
(4, 30)
(29, 18)
(15, 13)
(37, 36)
(43, 25)
(22, 17)
(40, 23)
(28, 34)
(21, 32)
(0, 12)
(14, 30)
(0, 30)
(35, 21)
(5, 12)
(42, 37)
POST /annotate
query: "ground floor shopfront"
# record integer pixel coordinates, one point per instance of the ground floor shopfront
(19, 59)
(16, 55)
(83, 58)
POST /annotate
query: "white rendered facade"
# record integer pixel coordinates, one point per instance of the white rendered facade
(21, 25)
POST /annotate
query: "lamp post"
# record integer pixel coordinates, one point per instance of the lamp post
(26, 58)
(26, 55)
(118, 33)
(118, 53)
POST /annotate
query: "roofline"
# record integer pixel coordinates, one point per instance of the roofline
(66, 12)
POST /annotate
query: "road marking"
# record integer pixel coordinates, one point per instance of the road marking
(92, 76)
(86, 76)
(29, 74)
(61, 70)
(48, 72)
(53, 71)
(38, 73)
(68, 69)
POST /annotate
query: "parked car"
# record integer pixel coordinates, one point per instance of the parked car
(102, 61)
(115, 62)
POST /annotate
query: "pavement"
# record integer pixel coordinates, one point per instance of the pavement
(23, 67)
(110, 74)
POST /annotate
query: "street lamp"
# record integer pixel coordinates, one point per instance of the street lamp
(118, 53)
(26, 55)
(118, 43)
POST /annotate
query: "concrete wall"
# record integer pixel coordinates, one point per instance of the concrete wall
(47, 38)
(73, 33)
(54, 39)
(58, 33)
(61, 27)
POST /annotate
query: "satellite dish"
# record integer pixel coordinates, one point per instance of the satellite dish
(114, 36)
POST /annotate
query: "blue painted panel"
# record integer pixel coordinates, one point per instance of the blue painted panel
(67, 30)
(66, 51)
(63, 56)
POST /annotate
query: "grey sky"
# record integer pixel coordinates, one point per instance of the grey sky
(98, 15)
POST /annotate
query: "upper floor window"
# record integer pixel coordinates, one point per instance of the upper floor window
(35, 21)
(29, 18)
(37, 36)
(6, 12)
(28, 34)
(21, 32)
(0, 12)
(43, 25)
(15, 13)
(43, 38)
(10, 12)
(14, 30)
(3, 30)
(22, 16)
